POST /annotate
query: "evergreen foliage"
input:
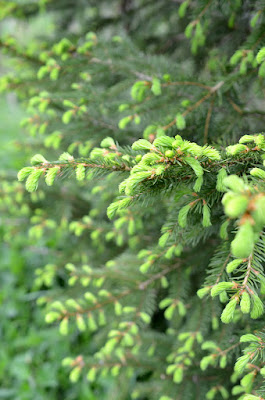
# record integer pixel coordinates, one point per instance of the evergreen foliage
(146, 206)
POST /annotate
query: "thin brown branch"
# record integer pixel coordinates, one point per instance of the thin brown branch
(235, 106)
(159, 275)
(210, 93)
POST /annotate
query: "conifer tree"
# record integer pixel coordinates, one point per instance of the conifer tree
(147, 194)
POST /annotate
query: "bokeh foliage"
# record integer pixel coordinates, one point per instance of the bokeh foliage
(143, 244)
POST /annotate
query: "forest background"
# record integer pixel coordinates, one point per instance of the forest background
(132, 259)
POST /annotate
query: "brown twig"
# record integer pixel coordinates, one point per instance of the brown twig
(211, 91)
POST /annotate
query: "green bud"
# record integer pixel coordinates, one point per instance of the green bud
(224, 392)
(163, 239)
(33, 179)
(220, 177)
(160, 132)
(115, 370)
(160, 169)
(247, 139)
(236, 57)
(257, 308)
(247, 379)
(178, 375)
(237, 390)
(68, 103)
(199, 337)
(156, 87)
(170, 311)
(177, 142)
(149, 130)
(243, 68)
(66, 118)
(233, 265)
(145, 317)
(169, 153)
(163, 398)
(243, 244)
(118, 308)
(80, 172)
(137, 119)
(164, 282)
(241, 363)
(206, 220)
(205, 362)
(64, 326)
(183, 214)
(209, 345)
(245, 303)
(234, 183)
(138, 90)
(195, 165)
(220, 287)
(203, 292)
(141, 144)
(227, 198)
(223, 230)
(258, 173)
(101, 318)
(223, 362)
(165, 302)
(91, 323)
(124, 122)
(235, 149)
(180, 122)
(51, 175)
(37, 159)
(188, 30)
(163, 141)
(42, 72)
(181, 309)
(67, 361)
(24, 172)
(228, 312)
(223, 297)
(198, 184)
(259, 213)
(91, 375)
(123, 107)
(75, 374)
(80, 322)
(182, 9)
(236, 206)
(261, 55)
(215, 323)
(51, 317)
(211, 153)
(107, 142)
(260, 140)
(210, 395)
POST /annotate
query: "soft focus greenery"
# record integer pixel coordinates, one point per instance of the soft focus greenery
(132, 256)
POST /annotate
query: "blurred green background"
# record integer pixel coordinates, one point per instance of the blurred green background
(30, 352)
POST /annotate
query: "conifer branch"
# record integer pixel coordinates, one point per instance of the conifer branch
(165, 252)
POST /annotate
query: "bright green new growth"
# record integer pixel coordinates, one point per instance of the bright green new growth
(245, 303)
(147, 246)
(243, 244)
(228, 312)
